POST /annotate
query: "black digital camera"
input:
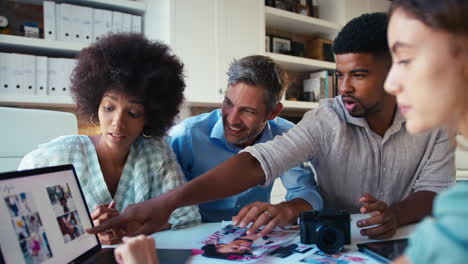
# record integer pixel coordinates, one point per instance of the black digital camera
(328, 229)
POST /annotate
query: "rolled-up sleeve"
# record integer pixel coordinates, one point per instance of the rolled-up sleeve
(439, 170)
(301, 143)
(300, 183)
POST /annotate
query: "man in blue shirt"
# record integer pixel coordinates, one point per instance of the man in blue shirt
(249, 115)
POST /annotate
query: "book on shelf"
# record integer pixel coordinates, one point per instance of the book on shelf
(320, 85)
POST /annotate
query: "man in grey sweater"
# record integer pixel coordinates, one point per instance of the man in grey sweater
(365, 159)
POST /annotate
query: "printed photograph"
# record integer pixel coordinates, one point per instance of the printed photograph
(21, 229)
(281, 45)
(28, 226)
(70, 226)
(317, 259)
(232, 244)
(61, 199)
(36, 248)
(344, 257)
(34, 222)
(302, 249)
(18, 205)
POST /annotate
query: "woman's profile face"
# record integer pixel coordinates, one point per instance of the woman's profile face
(426, 74)
(236, 246)
(122, 119)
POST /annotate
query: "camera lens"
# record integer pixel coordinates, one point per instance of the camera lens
(329, 239)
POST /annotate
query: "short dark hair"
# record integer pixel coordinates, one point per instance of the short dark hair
(364, 34)
(131, 64)
(259, 71)
(446, 15)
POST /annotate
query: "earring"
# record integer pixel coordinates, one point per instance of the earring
(91, 120)
(145, 135)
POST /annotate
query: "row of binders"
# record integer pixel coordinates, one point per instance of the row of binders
(82, 24)
(35, 75)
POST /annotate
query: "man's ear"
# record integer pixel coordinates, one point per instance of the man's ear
(275, 112)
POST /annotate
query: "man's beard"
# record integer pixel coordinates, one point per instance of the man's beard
(247, 138)
(364, 111)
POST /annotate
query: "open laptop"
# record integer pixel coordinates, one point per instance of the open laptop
(43, 218)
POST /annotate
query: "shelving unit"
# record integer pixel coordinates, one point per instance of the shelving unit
(54, 48)
(51, 47)
(287, 104)
(36, 101)
(299, 105)
(300, 64)
(295, 23)
(133, 7)
(462, 175)
(304, 25)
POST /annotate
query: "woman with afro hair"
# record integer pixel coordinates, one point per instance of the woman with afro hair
(132, 88)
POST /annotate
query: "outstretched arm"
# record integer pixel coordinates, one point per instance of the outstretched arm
(233, 176)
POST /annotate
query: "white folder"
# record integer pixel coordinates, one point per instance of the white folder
(49, 20)
(117, 18)
(67, 65)
(82, 24)
(8, 78)
(126, 22)
(64, 22)
(75, 22)
(18, 73)
(136, 24)
(58, 23)
(29, 74)
(53, 76)
(3, 69)
(87, 24)
(41, 76)
(102, 23)
(62, 77)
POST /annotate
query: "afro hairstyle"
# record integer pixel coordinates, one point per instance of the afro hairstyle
(131, 64)
(364, 34)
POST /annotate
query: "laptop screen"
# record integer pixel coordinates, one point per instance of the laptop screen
(43, 217)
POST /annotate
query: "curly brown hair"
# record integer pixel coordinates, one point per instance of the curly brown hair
(131, 64)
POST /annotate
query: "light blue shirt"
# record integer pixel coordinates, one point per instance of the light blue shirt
(443, 238)
(200, 145)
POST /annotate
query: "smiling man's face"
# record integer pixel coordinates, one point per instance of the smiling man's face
(244, 114)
